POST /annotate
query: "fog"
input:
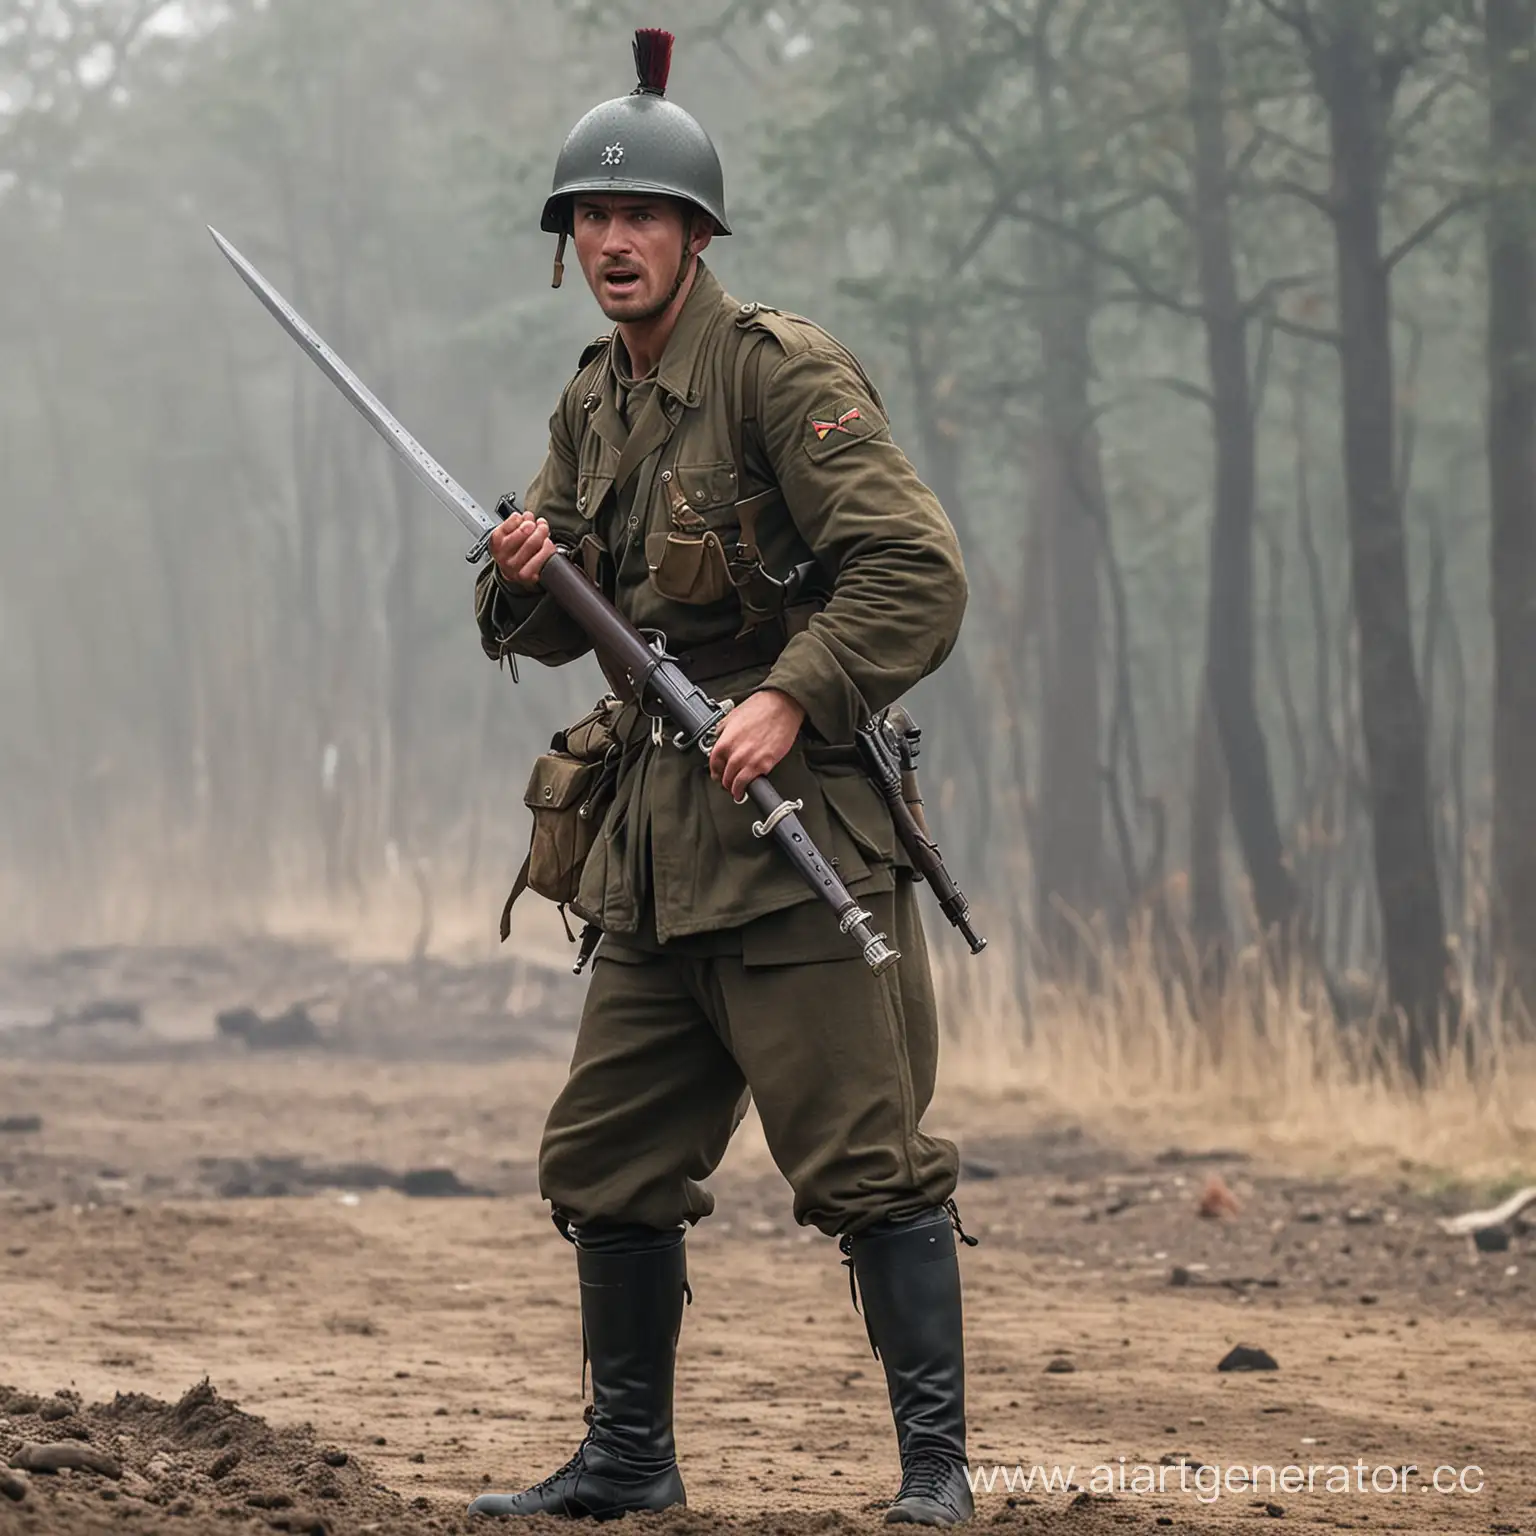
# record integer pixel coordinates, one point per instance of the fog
(1182, 308)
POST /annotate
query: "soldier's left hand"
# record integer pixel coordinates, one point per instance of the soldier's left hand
(754, 738)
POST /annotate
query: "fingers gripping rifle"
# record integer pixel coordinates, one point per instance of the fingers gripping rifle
(889, 746)
(663, 690)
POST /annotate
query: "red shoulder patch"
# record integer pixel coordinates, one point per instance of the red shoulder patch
(822, 428)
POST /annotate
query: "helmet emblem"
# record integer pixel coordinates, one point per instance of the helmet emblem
(613, 154)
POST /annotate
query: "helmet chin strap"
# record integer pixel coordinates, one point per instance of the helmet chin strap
(559, 276)
(682, 267)
(688, 256)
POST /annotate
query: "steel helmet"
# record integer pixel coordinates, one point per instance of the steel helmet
(639, 143)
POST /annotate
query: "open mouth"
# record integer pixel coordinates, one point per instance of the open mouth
(621, 281)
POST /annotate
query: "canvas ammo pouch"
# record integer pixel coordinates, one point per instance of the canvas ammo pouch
(690, 562)
(569, 792)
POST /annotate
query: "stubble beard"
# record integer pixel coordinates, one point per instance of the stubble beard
(621, 312)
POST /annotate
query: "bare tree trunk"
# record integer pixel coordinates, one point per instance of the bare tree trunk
(1358, 90)
(963, 744)
(1207, 812)
(1511, 36)
(1229, 642)
(1067, 478)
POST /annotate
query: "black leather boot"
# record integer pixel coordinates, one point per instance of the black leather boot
(632, 1284)
(909, 1282)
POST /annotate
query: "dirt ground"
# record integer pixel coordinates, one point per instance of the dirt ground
(342, 1237)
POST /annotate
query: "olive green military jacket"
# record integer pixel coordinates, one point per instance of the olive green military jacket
(840, 491)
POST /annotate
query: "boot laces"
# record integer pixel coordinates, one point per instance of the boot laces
(928, 1475)
(578, 1458)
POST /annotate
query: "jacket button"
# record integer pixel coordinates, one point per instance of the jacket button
(581, 503)
(749, 309)
(666, 477)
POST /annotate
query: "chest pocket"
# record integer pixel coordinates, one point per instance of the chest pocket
(594, 479)
(691, 552)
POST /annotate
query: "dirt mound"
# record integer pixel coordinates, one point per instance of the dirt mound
(201, 1465)
(127, 1464)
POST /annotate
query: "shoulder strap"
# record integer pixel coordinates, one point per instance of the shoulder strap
(593, 349)
(745, 428)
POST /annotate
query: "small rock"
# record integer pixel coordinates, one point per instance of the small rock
(225, 1463)
(286, 1031)
(54, 1410)
(1216, 1200)
(1176, 1156)
(1273, 1510)
(13, 1486)
(55, 1458)
(1179, 1275)
(275, 1500)
(435, 1184)
(1059, 1365)
(21, 1125)
(1492, 1239)
(334, 1458)
(1241, 1357)
(1367, 1300)
(106, 1010)
(974, 1168)
(1359, 1216)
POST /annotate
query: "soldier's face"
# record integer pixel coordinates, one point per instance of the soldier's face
(634, 252)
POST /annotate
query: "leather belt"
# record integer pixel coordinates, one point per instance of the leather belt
(760, 646)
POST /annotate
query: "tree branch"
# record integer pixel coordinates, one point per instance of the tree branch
(1272, 289)
(1285, 187)
(1295, 16)
(1185, 389)
(1112, 259)
(979, 236)
(1431, 226)
(1307, 332)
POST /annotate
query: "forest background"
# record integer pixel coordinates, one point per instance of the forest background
(1210, 321)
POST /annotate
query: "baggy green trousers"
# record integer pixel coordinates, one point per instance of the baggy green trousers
(840, 1062)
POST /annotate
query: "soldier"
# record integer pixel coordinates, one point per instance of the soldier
(704, 450)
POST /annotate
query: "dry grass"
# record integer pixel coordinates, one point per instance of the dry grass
(1265, 1069)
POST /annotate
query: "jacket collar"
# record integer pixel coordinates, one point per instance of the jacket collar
(678, 374)
(679, 370)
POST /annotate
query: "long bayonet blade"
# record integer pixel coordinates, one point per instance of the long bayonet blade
(421, 463)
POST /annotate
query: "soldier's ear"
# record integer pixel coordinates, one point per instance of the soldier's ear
(701, 232)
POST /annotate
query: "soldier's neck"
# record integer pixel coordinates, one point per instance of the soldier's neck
(646, 340)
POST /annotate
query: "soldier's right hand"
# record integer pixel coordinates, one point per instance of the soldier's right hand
(520, 546)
